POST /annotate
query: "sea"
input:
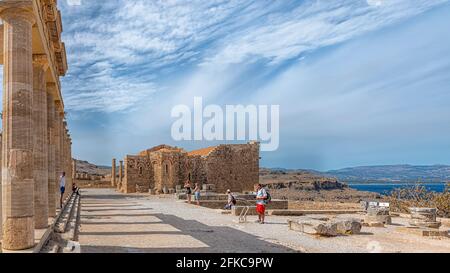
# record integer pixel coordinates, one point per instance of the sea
(387, 188)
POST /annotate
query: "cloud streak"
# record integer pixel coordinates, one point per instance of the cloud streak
(120, 52)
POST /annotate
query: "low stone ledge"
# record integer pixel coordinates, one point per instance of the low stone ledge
(289, 212)
(423, 232)
(220, 204)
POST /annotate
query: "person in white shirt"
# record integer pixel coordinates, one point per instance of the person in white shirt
(261, 196)
(62, 187)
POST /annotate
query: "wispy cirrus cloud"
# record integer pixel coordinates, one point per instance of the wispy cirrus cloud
(121, 52)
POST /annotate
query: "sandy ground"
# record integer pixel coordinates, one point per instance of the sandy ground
(113, 222)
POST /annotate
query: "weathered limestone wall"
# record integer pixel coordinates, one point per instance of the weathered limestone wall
(137, 174)
(168, 169)
(234, 167)
(162, 168)
(196, 170)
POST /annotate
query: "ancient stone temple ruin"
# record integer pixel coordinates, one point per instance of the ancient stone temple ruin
(36, 145)
(163, 168)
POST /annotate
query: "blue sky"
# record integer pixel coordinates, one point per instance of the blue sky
(358, 82)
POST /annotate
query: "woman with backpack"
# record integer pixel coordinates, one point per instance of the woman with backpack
(231, 200)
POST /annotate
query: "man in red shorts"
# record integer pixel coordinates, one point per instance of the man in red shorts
(261, 196)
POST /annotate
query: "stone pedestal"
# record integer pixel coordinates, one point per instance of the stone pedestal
(424, 217)
(17, 144)
(377, 217)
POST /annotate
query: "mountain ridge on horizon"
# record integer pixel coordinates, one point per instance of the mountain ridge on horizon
(386, 173)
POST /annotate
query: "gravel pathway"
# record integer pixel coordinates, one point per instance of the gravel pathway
(113, 222)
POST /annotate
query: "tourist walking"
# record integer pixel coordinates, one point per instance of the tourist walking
(197, 193)
(231, 200)
(62, 187)
(261, 197)
(188, 188)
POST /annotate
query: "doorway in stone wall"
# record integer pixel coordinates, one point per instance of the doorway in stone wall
(166, 176)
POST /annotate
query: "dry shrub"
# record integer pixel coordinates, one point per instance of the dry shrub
(402, 199)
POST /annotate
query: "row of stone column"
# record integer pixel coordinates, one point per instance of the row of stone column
(36, 146)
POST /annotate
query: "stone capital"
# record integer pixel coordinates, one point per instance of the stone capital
(41, 60)
(20, 10)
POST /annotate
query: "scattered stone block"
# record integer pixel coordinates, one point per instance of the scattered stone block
(295, 226)
(377, 220)
(329, 228)
(349, 226)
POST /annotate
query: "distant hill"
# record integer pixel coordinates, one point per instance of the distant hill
(300, 179)
(86, 167)
(393, 173)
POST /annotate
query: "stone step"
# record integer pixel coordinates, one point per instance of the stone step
(65, 215)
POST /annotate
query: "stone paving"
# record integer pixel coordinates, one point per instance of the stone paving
(114, 222)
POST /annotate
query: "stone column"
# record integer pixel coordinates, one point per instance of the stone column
(74, 165)
(68, 161)
(17, 144)
(40, 145)
(113, 173)
(120, 172)
(64, 158)
(58, 161)
(51, 151)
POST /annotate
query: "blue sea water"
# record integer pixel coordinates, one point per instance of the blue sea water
(387, 188)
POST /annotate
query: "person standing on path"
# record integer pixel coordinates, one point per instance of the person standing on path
(187, 186)
(197, 193)
(261, 196)
(62, 188)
